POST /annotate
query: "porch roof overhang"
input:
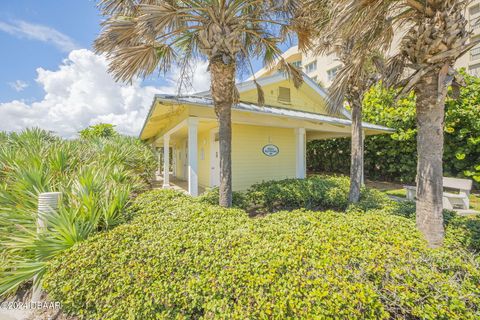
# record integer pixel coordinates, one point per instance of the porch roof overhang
(245, 107)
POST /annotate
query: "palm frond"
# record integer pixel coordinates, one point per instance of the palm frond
(141, 61)
(117, 32)
(140, 37)
(96, 178)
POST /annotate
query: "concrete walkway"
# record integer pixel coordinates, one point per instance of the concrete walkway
(175, 184)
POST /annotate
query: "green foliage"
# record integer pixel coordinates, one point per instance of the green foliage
(212, 197)
(181, 259)
(314, 193)
(101, 130)
(462, 232)
(96, 178)
(462, 132)
(393, 157)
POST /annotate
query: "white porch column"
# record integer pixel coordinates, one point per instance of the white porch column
(193, 156)
(159, 161)
(166, 161)
(301, 168)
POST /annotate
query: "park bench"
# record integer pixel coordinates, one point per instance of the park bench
(457, 198)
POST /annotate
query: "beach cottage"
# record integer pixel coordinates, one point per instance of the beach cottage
(268, 142)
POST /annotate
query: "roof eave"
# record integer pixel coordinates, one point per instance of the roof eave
(333, 120)
(150, 111)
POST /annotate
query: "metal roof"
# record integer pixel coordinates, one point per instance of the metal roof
(275, 111)
(204, 99)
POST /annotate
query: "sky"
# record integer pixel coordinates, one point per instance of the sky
(51, 78)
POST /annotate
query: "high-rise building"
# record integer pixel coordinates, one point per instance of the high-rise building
(323, 69)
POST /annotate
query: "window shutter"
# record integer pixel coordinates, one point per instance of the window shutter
(284, 94)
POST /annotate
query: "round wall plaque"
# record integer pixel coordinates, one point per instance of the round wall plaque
(270, 150)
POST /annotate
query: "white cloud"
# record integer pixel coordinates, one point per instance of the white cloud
(198, 79)
(18, 85)
(23, 29)
(81, 93)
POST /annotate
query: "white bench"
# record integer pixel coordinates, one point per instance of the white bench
(451, 201)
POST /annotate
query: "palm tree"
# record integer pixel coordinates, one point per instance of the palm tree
(435, 37)
(356, 76)
(141, 36)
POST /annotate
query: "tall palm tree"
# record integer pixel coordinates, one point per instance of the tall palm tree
(434, 37)
(356, 76)
(142, 36)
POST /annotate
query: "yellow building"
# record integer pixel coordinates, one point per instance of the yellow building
(268, 142)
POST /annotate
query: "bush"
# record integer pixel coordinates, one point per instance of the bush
(212, 197)
(461, 232)
(393, 157)
(464, 232)
(97, 177)
(313, 193)
(101, 130)
(182, 259)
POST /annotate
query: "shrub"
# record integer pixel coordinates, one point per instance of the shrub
(182, 259)
(313, 193)
(96, 177)
(212, 197)
(462, 232)
(101, 130)
(393, 157)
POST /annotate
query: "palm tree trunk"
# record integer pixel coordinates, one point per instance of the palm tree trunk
(356, 164)
(430, 118)
(222, 88)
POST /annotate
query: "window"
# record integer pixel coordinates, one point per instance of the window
(332, 73)
(312, 66)
(475, 70)
(284, 94)
(297, 64)
(475, 54)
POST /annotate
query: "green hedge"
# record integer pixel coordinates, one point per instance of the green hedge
(187, 260)
(319, 192)
(212, 197)
(393, 157)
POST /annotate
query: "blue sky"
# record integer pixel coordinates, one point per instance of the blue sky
(49, 80)
(22, 54)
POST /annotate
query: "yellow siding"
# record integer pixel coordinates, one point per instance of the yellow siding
(303, 98)
(290, 59)
(250, 165)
